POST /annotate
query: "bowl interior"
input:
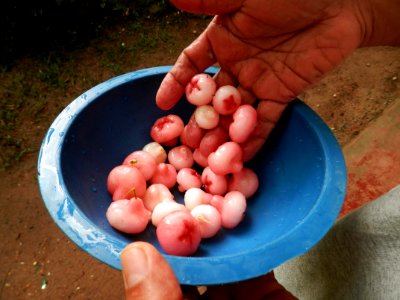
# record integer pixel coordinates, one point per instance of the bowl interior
(300, 168)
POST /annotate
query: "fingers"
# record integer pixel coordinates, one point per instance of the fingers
(193, 60)
(209, 7)
(224, 78)
(147, 274)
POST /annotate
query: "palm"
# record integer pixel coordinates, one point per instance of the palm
(277, 60)
(272, 49)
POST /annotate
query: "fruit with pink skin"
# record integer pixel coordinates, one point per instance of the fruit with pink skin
(142, 160)
(181, 157)
(164, 208)
(226, 159)
(129, 216)
(200, 90)
(244, 181)
(244, 122)
(155, 194)
(179, 233)
(206, 117)
(192, 134)
(213, 139)
(157, 151)
(125, 182)
(231, 207)
(166, 129)
(200, 158)
(188, 178)
(209, 219)
(213, 183)
(195, 196)
(226, 99)
(166, 174)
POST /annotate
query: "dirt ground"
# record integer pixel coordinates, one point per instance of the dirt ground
(37, 261)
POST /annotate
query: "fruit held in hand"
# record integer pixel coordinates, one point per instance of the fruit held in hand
(200, 90)
(226, 100)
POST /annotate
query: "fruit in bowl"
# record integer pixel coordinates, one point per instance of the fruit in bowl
(300, 169)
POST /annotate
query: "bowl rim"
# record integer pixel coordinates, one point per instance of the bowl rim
(84, 233)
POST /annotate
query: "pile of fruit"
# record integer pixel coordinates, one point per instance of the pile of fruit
(204, 159)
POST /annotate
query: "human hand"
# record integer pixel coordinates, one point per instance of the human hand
(270, 50)
(148, 276)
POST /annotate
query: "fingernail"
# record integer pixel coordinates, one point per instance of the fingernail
(134, 266)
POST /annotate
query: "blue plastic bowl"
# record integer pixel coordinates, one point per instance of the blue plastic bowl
(301, 170)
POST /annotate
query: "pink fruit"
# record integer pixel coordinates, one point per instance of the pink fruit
(124, 182)
(155, 194)
(200, 158)
(226, 159)
(157, 151)
(179, 233)
(212, 140)
(226, 100)
(209, 219)
(181, 157)
(166, 129)
(192, 134)
(164, 208)
(213, 183)
(129, 216)
(195, 196)
(231, 207)
(165, 174)
(188, 178)
(206, 117)
(244, 181)
(142, 160)
(200, 89)
(244, 122)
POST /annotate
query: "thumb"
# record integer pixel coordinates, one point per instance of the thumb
(209, 7)
(147, 274)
